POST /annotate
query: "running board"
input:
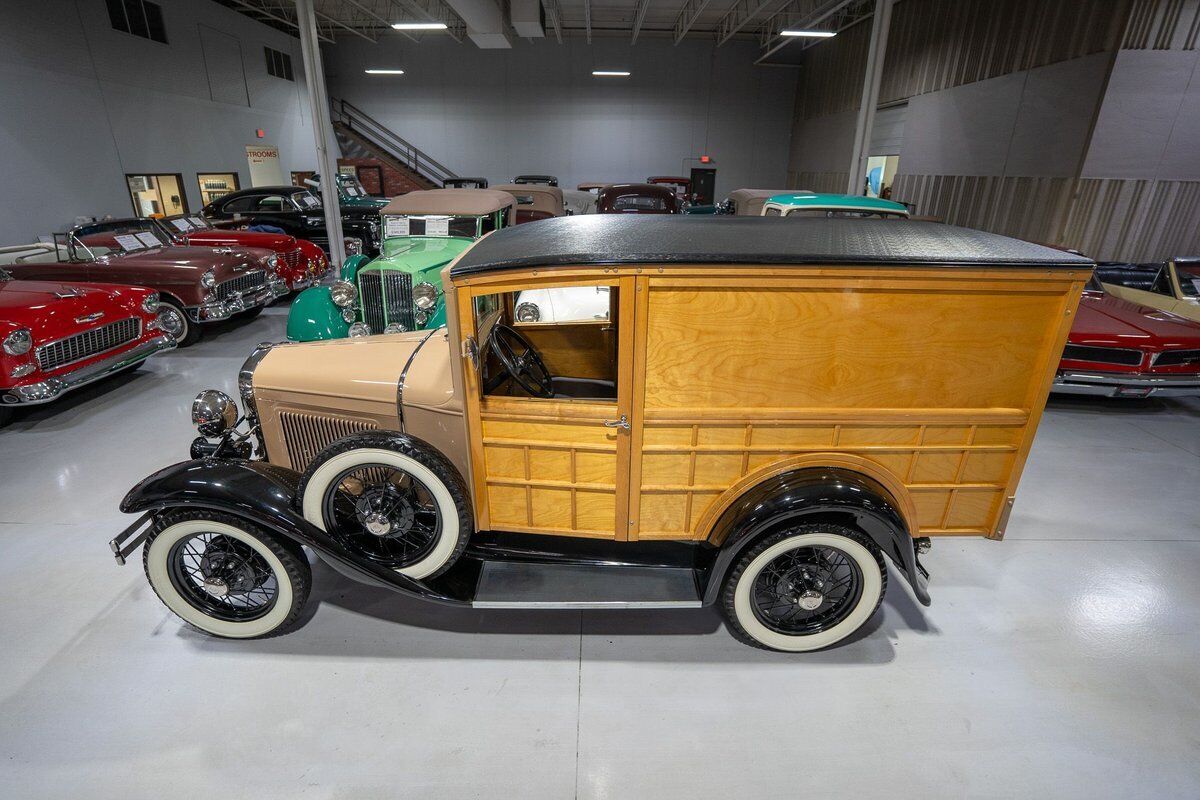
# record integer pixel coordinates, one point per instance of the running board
(509, 584)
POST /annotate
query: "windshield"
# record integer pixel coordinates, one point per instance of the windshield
(306, 200)
(352, 186)
(431, 225)
(125, 236)
(633, 202)
(1189, 279)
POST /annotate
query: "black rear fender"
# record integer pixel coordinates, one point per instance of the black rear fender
(804, 496)
(264, 494)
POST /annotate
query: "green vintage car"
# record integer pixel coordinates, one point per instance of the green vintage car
(814, 204)
(401, 290)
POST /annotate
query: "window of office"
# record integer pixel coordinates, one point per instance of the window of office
(139, 18)
(279, 64)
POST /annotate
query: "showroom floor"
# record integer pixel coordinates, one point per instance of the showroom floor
(1061, 662)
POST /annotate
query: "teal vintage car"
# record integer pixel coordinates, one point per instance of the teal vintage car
(401, 290)
(814, 204)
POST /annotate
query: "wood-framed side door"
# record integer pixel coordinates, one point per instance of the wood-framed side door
(555, 466)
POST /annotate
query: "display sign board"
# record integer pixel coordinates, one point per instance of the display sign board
(149, 239)
(264, 165)
(437, 226)
(395, 226)
(128, 241)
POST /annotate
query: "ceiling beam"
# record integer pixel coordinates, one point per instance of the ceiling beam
(587, 19)
(290, 23)
(380, 18)
(639, 15)
(739, 16)
(833, 15)
(341, 24)
(437, 11)
(691, 11)
(554, 14)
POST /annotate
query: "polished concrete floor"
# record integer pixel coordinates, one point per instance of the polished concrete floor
(1062, 662)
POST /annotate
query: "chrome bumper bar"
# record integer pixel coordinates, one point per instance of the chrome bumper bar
(46, 390)
(1115, 384)
(218, 310)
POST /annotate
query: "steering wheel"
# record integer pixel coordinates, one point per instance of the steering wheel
(527, 367)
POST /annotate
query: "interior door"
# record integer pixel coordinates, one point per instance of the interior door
(556, 465)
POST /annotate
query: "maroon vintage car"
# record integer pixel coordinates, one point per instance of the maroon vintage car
(55, 337)
(301, 263)
(1122, 349)
(637, 198)
(197, 284)
(680, 185)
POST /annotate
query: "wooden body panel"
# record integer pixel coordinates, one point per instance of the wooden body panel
(931, 380)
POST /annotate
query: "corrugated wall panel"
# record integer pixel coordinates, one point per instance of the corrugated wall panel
(1162, 25)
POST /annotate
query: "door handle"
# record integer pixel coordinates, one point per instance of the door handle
(623, 422)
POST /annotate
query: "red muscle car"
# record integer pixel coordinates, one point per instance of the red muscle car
(1122, 349)
(55, 337)
(197, 284)
(301, 263)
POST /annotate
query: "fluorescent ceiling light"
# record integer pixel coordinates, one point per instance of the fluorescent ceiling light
(610, 73)
(419, 26)
(385, 72)
(809, 34)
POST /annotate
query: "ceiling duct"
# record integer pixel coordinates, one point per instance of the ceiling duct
(485, 23)
(528, 18)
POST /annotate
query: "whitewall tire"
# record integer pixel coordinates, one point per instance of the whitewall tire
(805, 588)
(224, 575)
(390, 500)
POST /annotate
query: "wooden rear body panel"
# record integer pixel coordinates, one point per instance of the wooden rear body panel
(930, 380)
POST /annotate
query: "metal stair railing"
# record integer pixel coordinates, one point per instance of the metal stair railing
(383, 137)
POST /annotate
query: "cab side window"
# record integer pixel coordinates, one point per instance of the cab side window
(239, 205)
(272, 203)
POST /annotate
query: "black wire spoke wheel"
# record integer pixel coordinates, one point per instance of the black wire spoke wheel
(382, 513)
(807, 590)
(522, 362)
(223, 577)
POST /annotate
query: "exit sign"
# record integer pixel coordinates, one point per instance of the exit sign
(705, 159)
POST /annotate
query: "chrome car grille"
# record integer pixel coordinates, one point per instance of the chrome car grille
(1103, 355)
(387, 297)
(89, 343)
(305, 435)
(1176, 358)
(241, 284)
(291, 259)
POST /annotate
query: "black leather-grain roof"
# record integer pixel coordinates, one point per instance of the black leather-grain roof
(599, 239)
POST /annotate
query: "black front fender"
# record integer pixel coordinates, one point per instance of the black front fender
(807, 495)
(264, 494)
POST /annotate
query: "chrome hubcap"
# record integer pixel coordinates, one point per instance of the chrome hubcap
(170, 321)
(216, 587)
(810, 600)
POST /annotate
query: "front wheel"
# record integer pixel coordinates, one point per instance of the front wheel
(252, 313)
(804, 588)
(174, 320)
(224, 575)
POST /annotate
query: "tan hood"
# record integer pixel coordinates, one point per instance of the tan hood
(365, 369)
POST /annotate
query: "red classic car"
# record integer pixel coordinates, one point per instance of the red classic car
(1122, 349)
(55, 337)
(637, 198)
(197, 284)
(301, 263)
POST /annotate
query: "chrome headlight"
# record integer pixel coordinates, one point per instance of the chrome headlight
(349, 314)
(213, 413)
(394, 327)
(208, 280)
(343, 294)
(151, 303)
(352, 246)
(18, 342)
(272, 261)
(425, 296)
(528, 312)
(360, 329)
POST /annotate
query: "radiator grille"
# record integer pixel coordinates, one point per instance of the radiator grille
(241, 284)
(291, 259)
(1177, 358)
(386, 297)
(305, 435)
(1103, 355)
(89, 343)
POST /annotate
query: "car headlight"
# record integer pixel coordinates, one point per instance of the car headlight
(343, 294)
(352, 246)
(348, 314)
(360, 329)
(528, 312)
(425, 296)
(394, 327)
(213, 413)
(272, 261)
(208, 280)
(18, 342)
(151, 303)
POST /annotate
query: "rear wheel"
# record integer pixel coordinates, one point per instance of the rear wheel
(224, 575)
(174, 320)
(804, 588)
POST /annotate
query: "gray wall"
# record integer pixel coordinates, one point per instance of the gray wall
(537, 109)
(85, 104)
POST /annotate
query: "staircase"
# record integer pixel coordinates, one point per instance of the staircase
(361, 136)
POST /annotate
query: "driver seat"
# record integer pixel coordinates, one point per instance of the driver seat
(583, 389)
